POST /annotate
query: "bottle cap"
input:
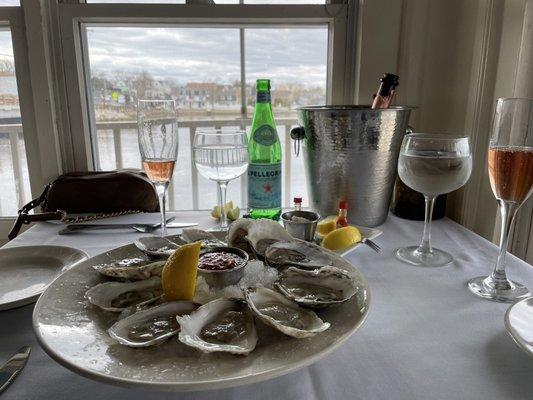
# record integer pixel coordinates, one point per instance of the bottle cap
(343, 205)
(297, 200)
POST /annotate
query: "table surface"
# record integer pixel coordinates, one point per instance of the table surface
(426, 336)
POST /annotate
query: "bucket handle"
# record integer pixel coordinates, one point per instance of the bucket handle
(297, 134)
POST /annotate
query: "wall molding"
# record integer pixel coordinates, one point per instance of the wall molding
(481, 106)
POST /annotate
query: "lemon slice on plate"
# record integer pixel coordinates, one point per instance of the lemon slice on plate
(327, 225)
(179, 273)
(342, 238)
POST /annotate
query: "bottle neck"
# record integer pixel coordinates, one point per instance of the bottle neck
(263, 97)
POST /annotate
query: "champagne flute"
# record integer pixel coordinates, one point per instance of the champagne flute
(510, 164)
(158, 143)
(221, 155)
(433, 165)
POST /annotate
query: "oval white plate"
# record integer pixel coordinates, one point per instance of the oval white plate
(27, 270)
(519, 324)
(74, 334)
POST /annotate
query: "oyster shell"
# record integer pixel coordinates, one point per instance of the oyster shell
(221, 325)
(152, 326)
(118, 296)
(276, 310)
(316, 288)
(157, 246)
(131, 269)
(190, 235)
(264, 232)
(237, 234)
(297, 253)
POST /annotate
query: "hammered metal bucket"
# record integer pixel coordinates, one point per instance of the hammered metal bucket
(351, 153)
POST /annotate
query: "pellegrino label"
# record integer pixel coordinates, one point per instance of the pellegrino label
(264, 185)
(265, 135)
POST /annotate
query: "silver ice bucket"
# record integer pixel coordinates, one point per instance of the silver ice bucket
(351, 153)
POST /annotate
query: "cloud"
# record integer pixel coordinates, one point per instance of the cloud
(211, 54)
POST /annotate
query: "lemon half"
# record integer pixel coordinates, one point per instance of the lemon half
(342, 238)
(327, 225)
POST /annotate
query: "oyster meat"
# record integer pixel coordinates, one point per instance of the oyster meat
(118, 296)
(316, 288)
(264, 232)
(191, 235)
(297, 253)
(276, 310)
(152, 326)
(131, 269)
(224, 325)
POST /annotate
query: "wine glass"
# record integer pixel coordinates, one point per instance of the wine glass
(433, 165)
(510, 163)
(158, 143)
(221, 155)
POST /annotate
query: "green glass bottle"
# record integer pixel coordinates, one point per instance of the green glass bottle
(264, 150)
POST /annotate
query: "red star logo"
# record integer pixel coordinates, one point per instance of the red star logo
(268, 188)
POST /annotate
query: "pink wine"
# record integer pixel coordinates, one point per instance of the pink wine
(511, 172)
(159, 170)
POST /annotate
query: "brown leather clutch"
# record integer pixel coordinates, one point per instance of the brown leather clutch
(100, 193)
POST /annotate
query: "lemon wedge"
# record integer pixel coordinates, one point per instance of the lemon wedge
(327, 225)
(179, 273)
(234, 213)
(229, 209)
(342, 238)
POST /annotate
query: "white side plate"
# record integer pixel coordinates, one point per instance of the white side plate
(27, 270)
(519, 324)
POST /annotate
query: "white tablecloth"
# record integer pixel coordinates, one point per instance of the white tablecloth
(426, 336)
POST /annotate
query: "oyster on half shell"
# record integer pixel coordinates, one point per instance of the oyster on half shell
(297, 253)
(286, 316)
(131, 269)
(316, 288)
(222, 325)
(118, 296)
(191, 235)
(237, 234)
(264, 232)
(152, 326)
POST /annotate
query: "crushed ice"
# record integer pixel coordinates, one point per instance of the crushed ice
(255, 274)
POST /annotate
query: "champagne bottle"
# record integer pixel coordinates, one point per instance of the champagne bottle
(264, 150)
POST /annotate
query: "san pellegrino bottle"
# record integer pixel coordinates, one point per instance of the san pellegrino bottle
(264, 150)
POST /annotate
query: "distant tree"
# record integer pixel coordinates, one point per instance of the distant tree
(7, 67)
(142, 84)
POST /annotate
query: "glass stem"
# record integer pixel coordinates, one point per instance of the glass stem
(222, 186)
(425, 244)
(498, 276)
(161, 189)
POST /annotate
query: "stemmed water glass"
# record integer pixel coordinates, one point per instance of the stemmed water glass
(221, 155)
(158, 143)
(433, 165)
(510, 162)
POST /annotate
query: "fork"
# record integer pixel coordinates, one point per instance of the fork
(373, 245)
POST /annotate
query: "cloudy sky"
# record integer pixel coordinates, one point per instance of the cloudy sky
(205, 54)
(211, 54)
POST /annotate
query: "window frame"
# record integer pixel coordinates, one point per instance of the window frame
(338, 16)
(38, 155)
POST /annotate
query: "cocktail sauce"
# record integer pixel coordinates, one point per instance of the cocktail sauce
(218, 261)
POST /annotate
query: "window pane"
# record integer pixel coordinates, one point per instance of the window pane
(9, 3)
(14, 181)
(200, 69)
